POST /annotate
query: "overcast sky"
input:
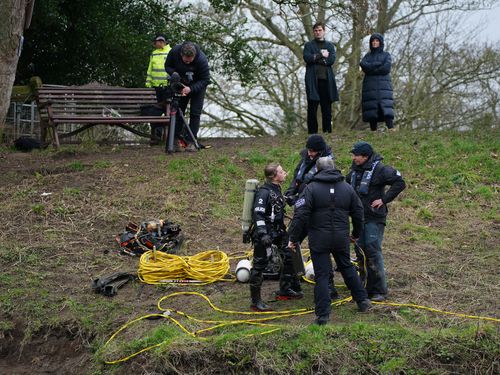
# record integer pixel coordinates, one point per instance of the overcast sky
(488, 24)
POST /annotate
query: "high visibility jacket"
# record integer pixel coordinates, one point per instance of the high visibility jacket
(157, 76)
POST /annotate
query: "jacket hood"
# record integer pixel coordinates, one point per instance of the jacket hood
(379, 37)
(368, 164)
(328, 175)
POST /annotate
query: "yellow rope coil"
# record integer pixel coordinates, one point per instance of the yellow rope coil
(205, 267)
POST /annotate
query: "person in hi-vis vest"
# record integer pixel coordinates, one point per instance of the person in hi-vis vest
(156, 75)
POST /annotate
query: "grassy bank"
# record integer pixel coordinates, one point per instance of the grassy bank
(61, 210)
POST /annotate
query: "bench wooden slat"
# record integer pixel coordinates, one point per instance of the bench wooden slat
(108, 120)
(87, 106)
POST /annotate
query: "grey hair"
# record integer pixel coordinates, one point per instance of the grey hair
(324, 162)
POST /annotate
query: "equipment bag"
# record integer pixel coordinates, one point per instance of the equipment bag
(162, 235)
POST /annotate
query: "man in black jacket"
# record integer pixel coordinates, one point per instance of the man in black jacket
(316, 148)
(191, 64)
(369, 178)
(269, 221)
(322, 212)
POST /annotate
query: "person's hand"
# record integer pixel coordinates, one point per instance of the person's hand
(291, 245)
(377, 203)
(290, 200)
(266, 240)
(325, 53)
(185, 91)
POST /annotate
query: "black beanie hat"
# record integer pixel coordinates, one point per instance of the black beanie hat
(362, 148)
(316, 142)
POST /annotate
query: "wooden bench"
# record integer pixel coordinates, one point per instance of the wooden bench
(91, 106)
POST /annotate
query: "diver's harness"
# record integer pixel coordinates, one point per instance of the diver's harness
(364, 185)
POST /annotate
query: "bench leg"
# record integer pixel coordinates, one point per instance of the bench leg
(43, 133)
(56, 137)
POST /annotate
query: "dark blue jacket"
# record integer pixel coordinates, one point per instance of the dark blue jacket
(199, 67)
(322, 212)
(377, 85)
(312, 57)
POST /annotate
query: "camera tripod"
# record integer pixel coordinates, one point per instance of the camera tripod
(174, 111)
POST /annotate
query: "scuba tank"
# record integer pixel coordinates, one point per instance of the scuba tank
(246, 217)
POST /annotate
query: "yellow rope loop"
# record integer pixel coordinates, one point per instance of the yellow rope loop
(208, 266)
(202, 268)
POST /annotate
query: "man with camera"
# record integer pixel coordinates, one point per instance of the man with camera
(191, 64)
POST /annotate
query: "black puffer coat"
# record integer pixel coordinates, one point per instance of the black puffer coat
(377, 99)
(383, 175)
(322, 212)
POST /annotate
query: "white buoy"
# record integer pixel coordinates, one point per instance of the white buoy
(243, 271)
(309, 274)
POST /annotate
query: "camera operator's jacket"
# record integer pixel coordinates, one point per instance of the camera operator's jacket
(322, 213)
(156, 75)
(199, 67)
(269, 212)
(381, 176)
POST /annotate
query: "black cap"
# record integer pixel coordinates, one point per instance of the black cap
(316, 142)
(160, 37)
(362, 148)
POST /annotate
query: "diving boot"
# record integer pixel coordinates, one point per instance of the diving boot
(257, 303)
(364, 305)
(260, 306)
(289, 288)
(283, 295)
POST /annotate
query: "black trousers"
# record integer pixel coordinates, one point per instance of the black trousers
(326, 110)
(322, 263)
(260, 261)
(197, 99)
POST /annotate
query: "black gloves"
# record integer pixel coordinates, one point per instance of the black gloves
(266, 240)
(290, 200)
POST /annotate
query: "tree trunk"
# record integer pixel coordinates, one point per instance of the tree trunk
(351, 94)
(12, 20)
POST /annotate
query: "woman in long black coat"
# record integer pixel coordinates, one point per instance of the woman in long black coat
(377, 99)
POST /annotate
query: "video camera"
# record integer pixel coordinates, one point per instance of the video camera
(176, 85)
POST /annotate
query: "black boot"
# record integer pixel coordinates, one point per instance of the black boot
(286, 292)
(257, 303)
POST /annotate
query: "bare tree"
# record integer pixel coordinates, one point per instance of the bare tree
(14, 18)
(279, 29)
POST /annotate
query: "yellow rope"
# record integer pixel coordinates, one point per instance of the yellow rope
(202, 268)
(269, 315)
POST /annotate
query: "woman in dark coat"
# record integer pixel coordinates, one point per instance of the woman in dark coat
(377, 100)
